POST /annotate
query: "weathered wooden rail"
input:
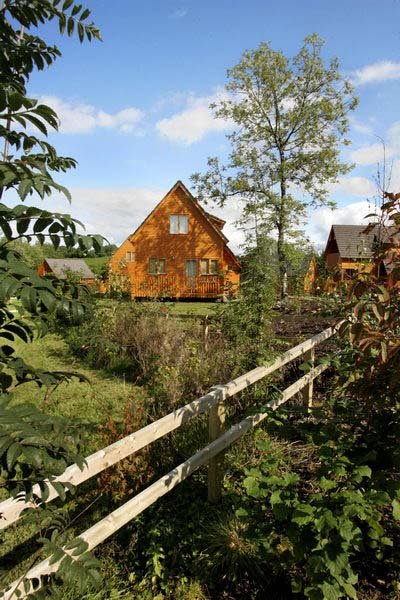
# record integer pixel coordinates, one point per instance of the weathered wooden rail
(213, 402)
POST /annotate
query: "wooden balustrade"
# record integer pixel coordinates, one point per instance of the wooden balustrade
(201, 286)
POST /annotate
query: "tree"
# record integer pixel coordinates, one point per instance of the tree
(34, 446)
(290, 119)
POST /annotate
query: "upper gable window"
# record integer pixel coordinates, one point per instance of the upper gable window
(130, 257)
(178, 224)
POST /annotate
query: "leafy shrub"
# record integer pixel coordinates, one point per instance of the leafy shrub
(128, 475)
(316, 522)
(328, 523)
(142, 342)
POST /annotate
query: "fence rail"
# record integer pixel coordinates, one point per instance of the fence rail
(213, 402)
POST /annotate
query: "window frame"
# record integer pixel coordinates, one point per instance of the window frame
(209, 261)
(132, 257)
(178, 216)
(157, 261)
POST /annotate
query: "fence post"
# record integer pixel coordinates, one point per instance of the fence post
(308, 389)
(205, 333)
(216, 426)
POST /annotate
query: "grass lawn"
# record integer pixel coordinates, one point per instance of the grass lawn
(88, 401)
(97, 263)
(200, 309)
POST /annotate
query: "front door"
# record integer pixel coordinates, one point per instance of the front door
(191, 272)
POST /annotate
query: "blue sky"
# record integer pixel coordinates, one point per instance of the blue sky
(134, 108)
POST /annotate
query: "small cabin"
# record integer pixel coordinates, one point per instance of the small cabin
(350, 249)
(179, 251)
(63, 267)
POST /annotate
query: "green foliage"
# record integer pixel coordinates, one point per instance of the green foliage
(233, 549)
(99, 265)
(317, 529)
(290, 119)
(118, 283)
(326, 524)
(142, 341)
(373, 325)
(34, 446)
(246, 322)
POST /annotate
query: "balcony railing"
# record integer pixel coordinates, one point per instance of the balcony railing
(203, 286)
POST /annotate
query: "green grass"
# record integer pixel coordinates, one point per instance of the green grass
(97, 263)
(200, 309)
(88, 401)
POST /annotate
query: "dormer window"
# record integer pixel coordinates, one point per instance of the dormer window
(178, 224)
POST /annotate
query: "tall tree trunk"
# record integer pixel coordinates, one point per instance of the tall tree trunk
(282, 229)
(282, 262)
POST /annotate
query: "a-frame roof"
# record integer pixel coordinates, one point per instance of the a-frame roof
(215, 223)
(353, 241)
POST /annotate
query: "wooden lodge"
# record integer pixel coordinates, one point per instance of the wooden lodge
(350, 248)
(348, 253)
(63, 267)
(179, 251)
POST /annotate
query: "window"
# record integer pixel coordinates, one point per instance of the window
(130, 257)
(157, 266)
(208, 266)
(191, 268)
(213, 270)
(178, 224)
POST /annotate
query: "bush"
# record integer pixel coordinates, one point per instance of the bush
(141, 341)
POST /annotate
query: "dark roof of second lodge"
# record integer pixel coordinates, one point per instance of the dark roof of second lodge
(61, 266)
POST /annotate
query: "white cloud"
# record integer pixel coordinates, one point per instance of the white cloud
(77, 117)
(115, 213)
(179, 13)
(371, 154)
(354, 186)
(112, 212)
(230, 213)
(394, 135)
(194, 122)
(395, 177)
(383, 70)
(360, 126)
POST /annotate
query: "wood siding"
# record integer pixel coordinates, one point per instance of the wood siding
(153, 240)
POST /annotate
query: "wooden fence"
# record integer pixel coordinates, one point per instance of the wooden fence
(213, 403)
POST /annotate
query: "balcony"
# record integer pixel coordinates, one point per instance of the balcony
(203, 286)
